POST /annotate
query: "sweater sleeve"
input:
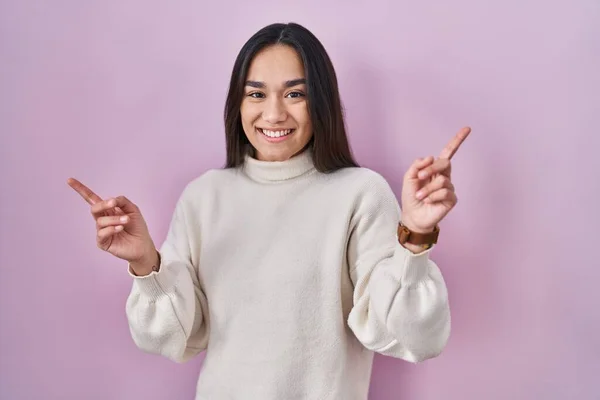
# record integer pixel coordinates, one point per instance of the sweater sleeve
(400, 304)
(166, 310)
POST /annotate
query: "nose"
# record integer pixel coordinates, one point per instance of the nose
(274, 111)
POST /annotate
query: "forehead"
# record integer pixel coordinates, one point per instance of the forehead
(276, 64)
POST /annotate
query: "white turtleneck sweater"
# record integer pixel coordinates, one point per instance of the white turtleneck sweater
(290, 279)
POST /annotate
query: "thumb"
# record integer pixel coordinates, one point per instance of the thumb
(417, 165)
(126, 205)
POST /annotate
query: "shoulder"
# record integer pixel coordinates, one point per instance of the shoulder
(362, 180)
(212, 178)
(368, 190)
(207, 184)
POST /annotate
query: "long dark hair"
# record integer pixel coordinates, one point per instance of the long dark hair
(329, 142)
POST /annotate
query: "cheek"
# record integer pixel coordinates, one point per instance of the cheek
(248, 113)
(302, 117)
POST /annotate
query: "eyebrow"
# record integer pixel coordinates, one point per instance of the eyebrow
(288, 84)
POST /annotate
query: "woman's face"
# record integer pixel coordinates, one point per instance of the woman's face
(274, 110)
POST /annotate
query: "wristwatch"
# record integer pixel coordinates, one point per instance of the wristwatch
(426, 240)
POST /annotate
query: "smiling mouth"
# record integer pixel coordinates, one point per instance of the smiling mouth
(274, 134)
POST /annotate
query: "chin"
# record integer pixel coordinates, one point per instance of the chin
(271, 155)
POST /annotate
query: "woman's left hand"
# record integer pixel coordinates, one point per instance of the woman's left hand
(428, 193)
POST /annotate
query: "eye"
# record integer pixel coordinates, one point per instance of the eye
(256, 95)
(295, 94)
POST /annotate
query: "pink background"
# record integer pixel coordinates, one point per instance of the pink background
(128, 97)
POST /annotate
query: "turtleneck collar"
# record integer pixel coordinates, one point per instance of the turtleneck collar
(275, 171)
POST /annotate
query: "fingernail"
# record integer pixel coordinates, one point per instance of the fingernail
(111, 203)
(422, 174)
(124, 218)
(419, 194)
(119, 228)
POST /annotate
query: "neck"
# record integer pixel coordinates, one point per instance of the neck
(276, 171)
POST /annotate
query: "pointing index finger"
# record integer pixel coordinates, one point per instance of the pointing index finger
(452, 146)
(85, 192)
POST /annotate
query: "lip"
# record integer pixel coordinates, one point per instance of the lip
(277, 139)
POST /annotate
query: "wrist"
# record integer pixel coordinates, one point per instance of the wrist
(415, 248)
(416, 239)
(147, 264)
(415, 228)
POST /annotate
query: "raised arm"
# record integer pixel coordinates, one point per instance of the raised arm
(400, 299)
(401, 303)
(167, 309)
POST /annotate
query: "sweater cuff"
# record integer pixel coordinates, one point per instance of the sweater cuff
(155, 284)
(414, 268)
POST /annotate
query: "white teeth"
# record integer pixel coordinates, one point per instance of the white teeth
(275, 134)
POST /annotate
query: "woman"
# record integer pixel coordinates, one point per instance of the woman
(291, 265)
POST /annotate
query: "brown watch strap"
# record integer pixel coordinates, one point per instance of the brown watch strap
(405, 235)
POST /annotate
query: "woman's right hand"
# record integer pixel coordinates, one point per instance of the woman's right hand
(120, 229)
